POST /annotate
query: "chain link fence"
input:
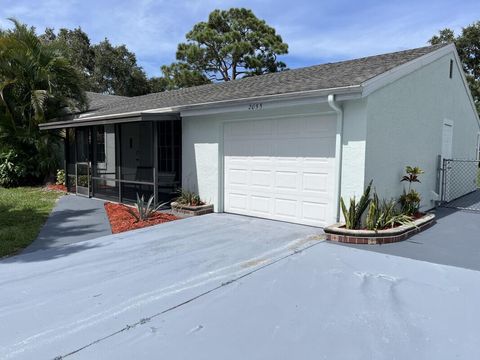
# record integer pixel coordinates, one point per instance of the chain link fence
(461, 184)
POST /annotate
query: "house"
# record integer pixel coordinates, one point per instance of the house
(281, 146)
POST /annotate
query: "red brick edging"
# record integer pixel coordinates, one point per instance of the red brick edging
(369, 237)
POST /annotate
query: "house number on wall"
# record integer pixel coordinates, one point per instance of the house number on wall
(255, 106)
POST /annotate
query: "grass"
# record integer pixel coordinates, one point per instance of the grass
(23, 211)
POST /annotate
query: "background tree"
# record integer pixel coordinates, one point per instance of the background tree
(178, 75)
(231, 44)
(468, 47)
(105, 68)
(116, 71)
(37, 83)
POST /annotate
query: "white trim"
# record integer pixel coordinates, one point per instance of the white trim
(447, 122)
(478, 147)
(273, 101)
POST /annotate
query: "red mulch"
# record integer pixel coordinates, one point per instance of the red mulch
(57, 187)
(121, 220)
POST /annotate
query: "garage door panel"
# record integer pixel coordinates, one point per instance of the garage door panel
(313, 210)
(286, 180)
(237, 201)
(287, 174)
(262, 178)
(315, 182)
(260, 204)
(286, 208)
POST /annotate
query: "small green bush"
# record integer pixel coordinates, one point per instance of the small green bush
(60, 177)
(12, 169)
(188, 198)
(384, 214)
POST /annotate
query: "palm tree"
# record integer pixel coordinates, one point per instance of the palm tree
(37, 83)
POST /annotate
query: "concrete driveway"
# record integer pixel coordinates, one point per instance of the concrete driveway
(58, 300)
(223, 286)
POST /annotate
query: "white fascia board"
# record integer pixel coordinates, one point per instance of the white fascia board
(127, 114)
(272, 101)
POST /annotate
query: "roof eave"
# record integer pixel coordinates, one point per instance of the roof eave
(133, 115)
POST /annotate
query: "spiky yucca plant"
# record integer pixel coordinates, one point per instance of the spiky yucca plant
(353, 215)
(145, 209)
(384, 214)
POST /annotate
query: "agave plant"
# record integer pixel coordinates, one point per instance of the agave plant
(353, 215)
(145, 209)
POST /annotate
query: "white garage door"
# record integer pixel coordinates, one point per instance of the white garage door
(281, 169)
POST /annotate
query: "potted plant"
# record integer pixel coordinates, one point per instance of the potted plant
(189, 203)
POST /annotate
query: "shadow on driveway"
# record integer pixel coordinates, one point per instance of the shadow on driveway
(453, 240)
(73, 219)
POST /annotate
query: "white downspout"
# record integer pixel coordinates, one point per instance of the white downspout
(338, 154)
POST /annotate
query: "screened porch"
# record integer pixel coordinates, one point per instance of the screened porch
(118, 161)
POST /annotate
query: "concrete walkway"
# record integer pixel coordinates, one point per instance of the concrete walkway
(453, 240)
(73, 219)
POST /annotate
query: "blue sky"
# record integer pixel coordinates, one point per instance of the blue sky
(316, 31)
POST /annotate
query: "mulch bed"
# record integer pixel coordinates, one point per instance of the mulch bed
(121, 220)
(56, 187)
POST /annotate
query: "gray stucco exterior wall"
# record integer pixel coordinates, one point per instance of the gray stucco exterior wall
(404, 127)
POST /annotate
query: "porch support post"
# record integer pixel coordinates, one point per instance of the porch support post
(118, 158)
(155, 161)
(66, 145)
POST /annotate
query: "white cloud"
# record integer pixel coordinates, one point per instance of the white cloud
(315, 30)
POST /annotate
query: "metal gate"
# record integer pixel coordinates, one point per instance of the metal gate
(461, 184)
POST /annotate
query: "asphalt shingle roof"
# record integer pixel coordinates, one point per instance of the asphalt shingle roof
(97, 101)
(325, 76)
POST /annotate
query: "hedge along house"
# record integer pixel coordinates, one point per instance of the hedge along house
(282, 146)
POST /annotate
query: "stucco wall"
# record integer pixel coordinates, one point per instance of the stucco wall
(354, 136)
(404, 127)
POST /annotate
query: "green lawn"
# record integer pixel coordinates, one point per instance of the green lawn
(22, 213)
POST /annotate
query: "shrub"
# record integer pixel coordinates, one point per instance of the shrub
(145, 209)
(12, 169)
(384, 214)
(410, 199)
(60, 177)
(188, 198)
(353, 215)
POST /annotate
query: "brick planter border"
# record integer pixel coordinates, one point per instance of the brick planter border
(192, 210)
(338, 233)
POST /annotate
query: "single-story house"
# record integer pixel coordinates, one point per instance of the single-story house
(283, 146)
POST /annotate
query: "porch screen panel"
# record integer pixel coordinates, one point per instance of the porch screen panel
(169, 158)
(105, 169)
(136, 152)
